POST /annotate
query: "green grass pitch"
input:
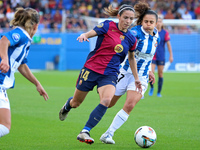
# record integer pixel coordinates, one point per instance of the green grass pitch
(35, 124)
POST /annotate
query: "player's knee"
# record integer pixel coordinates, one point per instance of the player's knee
(129, 107)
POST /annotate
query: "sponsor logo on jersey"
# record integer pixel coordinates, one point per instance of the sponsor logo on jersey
(16, 37)
(100, 25)
(118, 48)
(122, 37)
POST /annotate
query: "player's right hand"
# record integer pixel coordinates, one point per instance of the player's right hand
(82, 38)
(4, 66)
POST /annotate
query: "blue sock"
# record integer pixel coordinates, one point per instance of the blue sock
(95, 117)
(67, 105)
(160, 83)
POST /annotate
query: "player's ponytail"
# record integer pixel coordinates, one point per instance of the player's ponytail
(142, 9)
(110, 11)
(25, 18)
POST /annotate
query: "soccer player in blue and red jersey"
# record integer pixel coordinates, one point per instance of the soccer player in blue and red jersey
(14, 48)
(114, 42)
(147, 40)
(159, 57)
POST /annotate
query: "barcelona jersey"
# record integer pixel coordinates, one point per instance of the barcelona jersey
(111, 48)
(160, 52)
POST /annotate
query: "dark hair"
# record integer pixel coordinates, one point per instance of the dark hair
(25, 18)
(142, 9)
(114, 12)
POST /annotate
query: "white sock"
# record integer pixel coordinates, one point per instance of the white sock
(117, 122)
(3, 130)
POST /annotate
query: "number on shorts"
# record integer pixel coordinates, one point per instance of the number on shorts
(84, 74)
(122, 75)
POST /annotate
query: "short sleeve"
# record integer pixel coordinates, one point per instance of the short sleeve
(133, 48)
(134, 32)
(14, 37)
(102, 28)
(167, 37)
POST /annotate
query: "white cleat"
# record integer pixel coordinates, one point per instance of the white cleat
(107, 139)
(63, 113)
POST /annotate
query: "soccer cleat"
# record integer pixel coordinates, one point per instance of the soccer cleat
(107, 139)
(85, 137)
(159, 95)
(151, 92)
(63, 113)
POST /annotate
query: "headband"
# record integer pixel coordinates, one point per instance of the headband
(127, 7)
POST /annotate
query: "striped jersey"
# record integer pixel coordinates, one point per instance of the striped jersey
(20, 42)
(160, 52)
(145, 50)
(111, 48)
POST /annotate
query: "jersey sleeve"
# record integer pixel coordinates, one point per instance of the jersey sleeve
(102, 28)
(167, 37)
(133, 48)
(14, 36)
(134, 32)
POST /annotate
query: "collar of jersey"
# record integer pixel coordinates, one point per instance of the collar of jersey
(155, 32)
(25, 32)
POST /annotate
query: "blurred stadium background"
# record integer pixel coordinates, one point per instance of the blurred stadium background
(62, 21)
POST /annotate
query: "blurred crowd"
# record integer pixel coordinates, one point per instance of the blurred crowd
(51, 11)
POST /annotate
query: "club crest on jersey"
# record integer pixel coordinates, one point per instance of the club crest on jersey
(118, 48)
(156, 44)
(134, 32)
(122, 37)
(16, 37)
(100, 25)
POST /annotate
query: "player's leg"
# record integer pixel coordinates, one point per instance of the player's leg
(153, 66)
(160, 79)
(5, 115)
(72, 102)
(105, 93)
(5, 121)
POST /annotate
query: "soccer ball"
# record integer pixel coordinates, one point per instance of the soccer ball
(145, 136)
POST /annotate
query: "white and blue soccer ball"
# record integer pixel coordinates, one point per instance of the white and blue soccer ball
(145, 136)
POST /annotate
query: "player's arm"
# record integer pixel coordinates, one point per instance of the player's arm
(86, 36)
(133, 66)
(169, 47)
(4, 64)
(26, 72)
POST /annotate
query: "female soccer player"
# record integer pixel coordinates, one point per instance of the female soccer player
(147, 41)
(102, 66)
(159, 57)
(14, 48)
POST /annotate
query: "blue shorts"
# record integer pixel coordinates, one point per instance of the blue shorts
(158, 62)
(88, 79)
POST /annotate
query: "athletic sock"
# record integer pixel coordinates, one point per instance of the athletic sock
(151, 84)
(160, 83)
(95, 117)
(3, 130)
(67, 105)
(117, 122)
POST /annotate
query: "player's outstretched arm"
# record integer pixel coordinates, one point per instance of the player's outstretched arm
(4, 64)
(86, 36)
(26, 72)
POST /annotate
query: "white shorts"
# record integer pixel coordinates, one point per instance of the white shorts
(4, 101)
(127, 82)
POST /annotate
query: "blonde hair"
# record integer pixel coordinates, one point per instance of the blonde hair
(25, 18)
(110, 11)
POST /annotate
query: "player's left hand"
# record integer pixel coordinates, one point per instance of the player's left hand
(82, 38)
(138, 85)
(151, 77)
(42, 92)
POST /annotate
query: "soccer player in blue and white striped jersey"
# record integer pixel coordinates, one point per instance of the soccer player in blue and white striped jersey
(14, 48)
(147, 41)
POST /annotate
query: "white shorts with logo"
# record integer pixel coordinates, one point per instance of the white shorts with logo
(127, 82)
(4, 101)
